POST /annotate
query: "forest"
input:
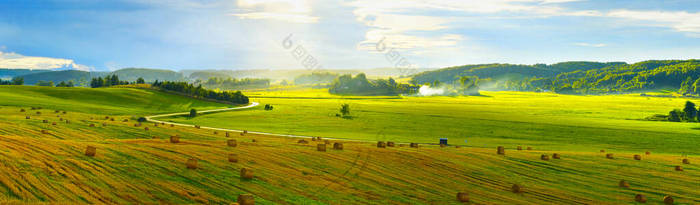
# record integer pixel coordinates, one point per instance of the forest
(189, 89)
(360, 85)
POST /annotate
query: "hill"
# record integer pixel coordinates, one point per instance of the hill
(9, 73)
(148, 74)
(57, 76)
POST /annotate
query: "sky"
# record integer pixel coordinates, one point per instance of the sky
(105, 35)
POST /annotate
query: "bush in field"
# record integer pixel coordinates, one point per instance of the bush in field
(268, 107)
(345, 109)
(193, 113)
(675, 115)
(141, 119)
(690, 111)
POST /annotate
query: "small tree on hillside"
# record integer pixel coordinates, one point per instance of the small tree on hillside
(193, 113)
(690, 111)
(345, 109)
(140, 80)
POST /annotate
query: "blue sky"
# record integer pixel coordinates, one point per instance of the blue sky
(248, 34)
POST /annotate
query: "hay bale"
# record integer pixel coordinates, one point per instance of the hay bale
(602, 151)
(53, 123)
(60, 119)
(520, 148)
(111, 119)
(556, 156)
(232, 158)
(414, 145)
(38, 113)
(686, 161)
(155, 124)
(458, 146)
(462, 197)
(246, 199)
(136, 124)
(516, 189)
(313, 138)
(679, 168)
(44, 121)
(174, 139)
(106, 117)
(216, 133)
(529, 148)
(197, 126)
(104, 124)
(172, 125)
(64, 112)
(56, 111)
(228, 135)
(501, 150)
(246, 173)
(381, 144)
(609, 156)
(640, 198)
(637, 157)
(321, 147)
(390, 144)
(647, 153)
(338, 146)
(67, 121)
(92, 125)
(145, 128)
(28, 117)
(90, 151)
(302, 141)
(44, 132)
(668, 200)
(624, 184)
(544, 157)
(21, 110)
(254, 140)
(192, 163)
(246, 132)
(231, 143)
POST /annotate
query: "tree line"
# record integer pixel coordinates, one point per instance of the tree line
(233, 83)
(199, 92)
(13, 81)
(112, 80)
(360, 85)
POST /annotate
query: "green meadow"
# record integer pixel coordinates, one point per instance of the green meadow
(545, 120)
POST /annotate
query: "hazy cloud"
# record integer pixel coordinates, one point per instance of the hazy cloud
(17, 61)
(295, 11)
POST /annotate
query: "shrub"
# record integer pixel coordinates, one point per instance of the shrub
(141, 119)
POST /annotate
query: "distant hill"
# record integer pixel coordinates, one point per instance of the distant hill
(58, 76)
(150, 75)
(9, 73)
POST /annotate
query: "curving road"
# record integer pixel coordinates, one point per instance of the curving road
(253, 104)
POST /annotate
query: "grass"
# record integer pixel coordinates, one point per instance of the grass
(131, 166)
(547, 121)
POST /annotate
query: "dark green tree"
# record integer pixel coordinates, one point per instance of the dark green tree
(675, 115)
(140, 80)
(690, 111)
(18, 81)
(345, 109)
(193, 113)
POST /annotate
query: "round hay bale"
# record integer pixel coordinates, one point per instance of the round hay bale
(90, 151)
(155, 124)
(192, 163)
(92, 125)
(556, 156)
(302, 141)
(228, 135)
(45, 121)
(246, 132)
(679, 168)
(197, 126)
(67, 121)
(56, 111)
(246, 199)
(520, 148)
(501, 150)
(174, 139)
(125, 120)
(136, 124)
(686, 161)
(254, 140)
(232, 158)
(458, 146)
(44, 132)
(104, 124)
(313, 138)
(516, 189)
(321, 147)
(462, 197)
(231, 143)
(246, 173)
(529, 148)
(390, 144)
(106, 117)
(624, 184)
(38, 113)
(64, 112)
(544, 157)
(172, 125)
(609, 156)
(21, 110)
(28, 117)
(53, 123)
(602, 151)
(111, 119)
(647, 153)
(381, 144)
(145, 128)
(216, 133)
(60, 119)
(414, 145)
(162, 123)
(668, 200)
(637, 157)
(640, 198)
(338, 146)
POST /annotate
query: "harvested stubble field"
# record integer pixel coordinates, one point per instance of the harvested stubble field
(132, 165)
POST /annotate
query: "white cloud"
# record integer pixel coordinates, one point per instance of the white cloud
(17, 61)
(678, 20)
(595, 45)
(295, 11)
